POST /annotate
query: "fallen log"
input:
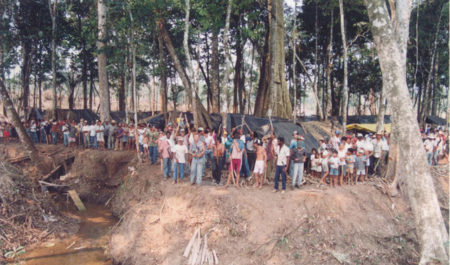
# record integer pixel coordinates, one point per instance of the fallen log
(76, 199)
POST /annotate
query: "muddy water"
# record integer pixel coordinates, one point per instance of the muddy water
(85, 247)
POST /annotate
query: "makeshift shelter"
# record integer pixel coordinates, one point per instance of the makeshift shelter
(120, 116)
(435, 120)
(367, 127)
(76, 114)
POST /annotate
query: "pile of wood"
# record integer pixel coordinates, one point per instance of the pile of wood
(197, 251)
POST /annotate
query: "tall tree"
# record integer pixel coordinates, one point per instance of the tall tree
(390, 30)
(344, 105)
(102, 60)
(278, 88)
(52, 9)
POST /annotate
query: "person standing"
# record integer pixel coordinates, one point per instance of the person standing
(73, 134)
(179, 151)
(282, 157)
(218, 159)
(93, 135)
(54, 131)
(100, 135)
(298, 158)
(260, 163)
(65, 131)
(119, 135)
(197, 150)
(33, 130)
(165, 151)
(107, 126)
(153, 145)
(237, 148)
(86, 131)
(111, 134)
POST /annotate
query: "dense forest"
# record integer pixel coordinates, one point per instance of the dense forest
(218, 54)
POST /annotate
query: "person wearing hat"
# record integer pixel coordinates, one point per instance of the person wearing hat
(179, 153)
(111, 135)
(85, 133)
(336, 140)
(298, 158)
(429, 145)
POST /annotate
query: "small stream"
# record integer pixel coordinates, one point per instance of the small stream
(84, 248)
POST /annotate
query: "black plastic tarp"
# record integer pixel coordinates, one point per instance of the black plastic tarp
(120, 116)
(435, 120)
(365, 119)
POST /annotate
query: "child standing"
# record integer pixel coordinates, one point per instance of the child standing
(350, 163)
(334, 162)
(325, 170)
(360, 164)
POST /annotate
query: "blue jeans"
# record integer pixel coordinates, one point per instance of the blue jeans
(166, 167)
(66, 140)
(54, 137)
(297, 174)
(245, 169)
(34, 137)
(179, 167)
(153, 150)
(430, 158)
(280, 170)
(208, 157)
(43, 136)
(93, 141)
(197, 169)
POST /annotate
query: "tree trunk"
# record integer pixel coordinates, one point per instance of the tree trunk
(294, 72)
(345, 85)
(329, 68)
(163, 77)
(204, 119)
(121, 92)
(427, 98)
(215, 89)
(316, 67)
(436, 89)
(228, 61)
(390, 34)
(27, 144)
(278, 88)
(92, 87)
(250, 81)
(237, 99)
(101, 58)
(262, 101)
(84, 79)
(25, 75)
(52, 9)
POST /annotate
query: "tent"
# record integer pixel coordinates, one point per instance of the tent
(367, 127)
(435, 120)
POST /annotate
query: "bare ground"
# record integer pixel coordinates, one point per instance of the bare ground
(351, 224)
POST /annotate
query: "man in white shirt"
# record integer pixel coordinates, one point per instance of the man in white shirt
(282, 154)
(179, 150)
(335, 140)
(93, 135)
(65, 130)
(100, 130)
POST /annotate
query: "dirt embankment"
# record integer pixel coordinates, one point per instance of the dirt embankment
(352, 224)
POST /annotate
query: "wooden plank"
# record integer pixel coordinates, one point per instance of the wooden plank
(216, 260)
(191, 242)
(76, 199)
(45, 183)
(51, 172)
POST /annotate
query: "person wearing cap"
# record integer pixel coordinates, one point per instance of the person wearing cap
(179, 154)
(298, 158)
(260, 163)
(197, 150)
(336, 140)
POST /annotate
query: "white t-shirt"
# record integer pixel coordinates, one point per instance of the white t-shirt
(180, 153)
(92, 129)
(209, 141)
(282, 154)
(335, 141)
(429, 145)
(33, 127)
(99, 134)
(334, 162)
(141, 135)
(341, 155)
(65, 129)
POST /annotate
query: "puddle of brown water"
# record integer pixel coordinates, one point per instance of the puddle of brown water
(85, 247)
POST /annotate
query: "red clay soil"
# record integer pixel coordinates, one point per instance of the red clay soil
(351, 224)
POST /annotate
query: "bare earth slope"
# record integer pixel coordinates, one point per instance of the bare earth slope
(351, 224)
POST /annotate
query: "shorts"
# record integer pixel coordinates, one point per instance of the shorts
(334, 171)
(325, 168)
(350, 169)
(145, 146)
(236, 165)
(360, 172)
(259, 167)
(72, 139)
(318, 169)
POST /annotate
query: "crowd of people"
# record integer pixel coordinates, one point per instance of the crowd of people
(182, 150)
